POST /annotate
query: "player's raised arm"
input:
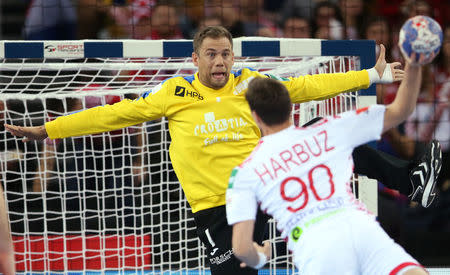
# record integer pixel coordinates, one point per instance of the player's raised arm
(405, 101)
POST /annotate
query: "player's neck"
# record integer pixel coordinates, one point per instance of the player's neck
(269, 130)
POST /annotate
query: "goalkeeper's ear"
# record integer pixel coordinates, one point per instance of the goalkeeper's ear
(195, 59)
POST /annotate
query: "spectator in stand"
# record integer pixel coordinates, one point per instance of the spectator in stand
(228, 13)
(253, 20)
(296, 27)
(190, 14)
(210, 21)
(354, 12)
(93, 19)
(50, 20)
(327, 21)
(299, 7)
(148, 20)
(392, 9)
(410, 8)
(164, 23)
(442, 72)
(132, 19)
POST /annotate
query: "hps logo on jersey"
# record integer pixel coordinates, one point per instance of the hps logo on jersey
(182, 92)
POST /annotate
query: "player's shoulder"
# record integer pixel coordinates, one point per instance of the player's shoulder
(179, 80)
(242, 175)
(245, 73)
(358, 116)
(173, 83)
(370, 110)
(252, 157)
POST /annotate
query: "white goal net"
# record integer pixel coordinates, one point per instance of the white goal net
(110, 203)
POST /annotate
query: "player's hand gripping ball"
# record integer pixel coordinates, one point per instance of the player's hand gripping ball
(420, 35)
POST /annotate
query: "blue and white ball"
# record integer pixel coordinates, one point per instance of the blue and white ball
(420, 34)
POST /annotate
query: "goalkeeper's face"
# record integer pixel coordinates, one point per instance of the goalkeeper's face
(214, 61)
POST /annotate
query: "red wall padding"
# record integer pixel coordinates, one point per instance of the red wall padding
(117, 251)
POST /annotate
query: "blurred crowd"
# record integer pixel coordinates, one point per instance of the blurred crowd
(378, 20)
(172, 19)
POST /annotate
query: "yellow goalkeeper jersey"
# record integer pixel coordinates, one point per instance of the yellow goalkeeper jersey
(212, 130)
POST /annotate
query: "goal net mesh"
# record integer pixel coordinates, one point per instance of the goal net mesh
(111, 202)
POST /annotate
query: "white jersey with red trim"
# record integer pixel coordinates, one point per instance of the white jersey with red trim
(301, 175)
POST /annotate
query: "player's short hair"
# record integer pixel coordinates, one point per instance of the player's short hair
(212, 32)
(270, 99)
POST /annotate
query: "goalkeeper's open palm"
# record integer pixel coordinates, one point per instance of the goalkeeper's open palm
(28, 133)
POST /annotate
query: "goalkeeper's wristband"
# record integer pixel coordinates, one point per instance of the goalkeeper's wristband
(385, 78)
(373, 76)
(262, 260)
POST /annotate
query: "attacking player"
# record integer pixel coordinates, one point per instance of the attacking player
(301, 177)
(211, 127)
(7, 263)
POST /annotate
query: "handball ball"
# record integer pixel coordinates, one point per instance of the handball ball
(420, 34)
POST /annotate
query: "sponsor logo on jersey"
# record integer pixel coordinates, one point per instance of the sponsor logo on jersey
(296, 233)
(220, 130)
(183, 92)
(180, 91)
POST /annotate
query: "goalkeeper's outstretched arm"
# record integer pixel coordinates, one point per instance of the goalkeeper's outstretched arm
(28, 133)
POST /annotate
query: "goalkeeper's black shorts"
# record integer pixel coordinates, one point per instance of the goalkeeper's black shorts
(215, 233)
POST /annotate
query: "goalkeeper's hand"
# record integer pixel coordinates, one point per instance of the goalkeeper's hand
(28, 133)
(386, 72)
